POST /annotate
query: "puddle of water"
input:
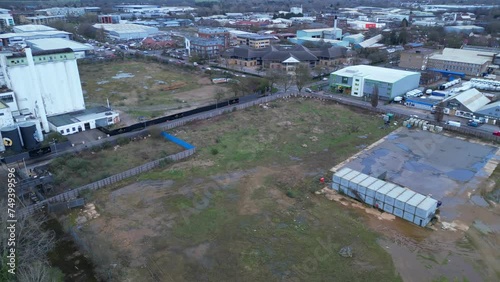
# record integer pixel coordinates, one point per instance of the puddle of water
(123, 75)
(381, 152)
(403, 147)
(363, 136)
(462, 175)
(481, 227)
(367, 165)
(419, 167)
(479, 201)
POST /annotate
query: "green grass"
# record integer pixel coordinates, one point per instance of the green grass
(73, 170)
(143, 89)
(275, 241)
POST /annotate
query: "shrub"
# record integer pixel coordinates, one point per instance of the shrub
(214, 151)
(291, 194)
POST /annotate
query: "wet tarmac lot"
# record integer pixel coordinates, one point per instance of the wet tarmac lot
(448, 168)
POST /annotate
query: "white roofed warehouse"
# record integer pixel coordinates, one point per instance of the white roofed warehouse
(360, 81)
(127, 31)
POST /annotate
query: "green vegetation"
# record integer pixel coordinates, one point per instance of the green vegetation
(73, 170)
(249, 211)
(142, 84)
(494, 194)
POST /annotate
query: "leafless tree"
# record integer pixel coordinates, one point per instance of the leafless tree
(302, 76)
(439, 113)
(272, 76)
(374, 97)
(284, 79)
(31, 245)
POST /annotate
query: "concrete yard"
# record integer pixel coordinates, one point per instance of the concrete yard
(446, 167)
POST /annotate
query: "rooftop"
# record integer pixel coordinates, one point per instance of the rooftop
(70, 118)
(57, 43)
(464, 56)
(32, 28)
(213, 30)
(472, 99)
(255, 36)
(124, 27)
(32, 34)
(374, 73)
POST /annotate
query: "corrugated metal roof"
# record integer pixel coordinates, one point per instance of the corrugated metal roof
(472, 99)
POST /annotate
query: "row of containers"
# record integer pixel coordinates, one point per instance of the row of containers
(422, 124)
(20, 136)
(402, 202)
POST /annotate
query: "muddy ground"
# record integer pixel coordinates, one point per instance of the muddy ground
(244, 209)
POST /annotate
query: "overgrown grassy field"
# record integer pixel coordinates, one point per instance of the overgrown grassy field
(73, 170)
(243, 209)
(135, 84)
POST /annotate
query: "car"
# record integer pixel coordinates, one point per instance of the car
(496, 133)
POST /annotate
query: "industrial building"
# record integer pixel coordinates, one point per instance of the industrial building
(109, 19)
(490, 111)
(39, 86)
(31, 32)
(360, 80)
(389, 197)
(415, 59)
(126, 31)
(332, 35)
(466, 103)
(469, 62)
(6, 19)
(465, 29)
(47, 44)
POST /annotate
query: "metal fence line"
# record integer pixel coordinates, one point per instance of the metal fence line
(74, 193)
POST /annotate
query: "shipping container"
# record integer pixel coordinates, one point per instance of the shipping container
(426, 208)
(354, 183)
(390, 197)
(339, 174)
(411, 204)
(398, 212)
(408, 216)
(388, 208)
(344, 181)
(370, 190)
(335, 186)
(380, 194)
(369, 200)
(403, 198)
(365, 183)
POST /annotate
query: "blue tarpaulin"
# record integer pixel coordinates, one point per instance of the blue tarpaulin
(178, 141)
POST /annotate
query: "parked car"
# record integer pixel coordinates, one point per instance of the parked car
(496, 133)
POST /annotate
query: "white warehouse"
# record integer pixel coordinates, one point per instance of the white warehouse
(360, 81)
(127, 31)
